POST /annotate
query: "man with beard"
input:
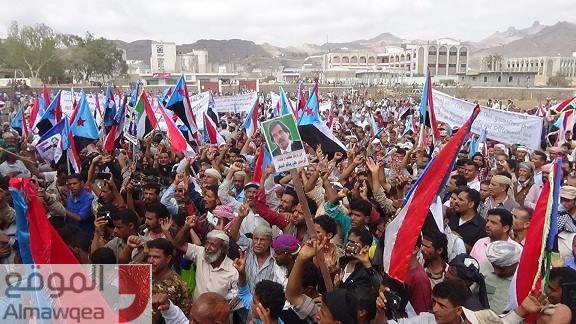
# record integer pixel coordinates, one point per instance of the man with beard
(466, 222)
(498, 225)
(435, 254)
(525, 182)
(151, 194)
(215, 272)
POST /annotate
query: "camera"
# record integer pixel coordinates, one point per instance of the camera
(353, 248)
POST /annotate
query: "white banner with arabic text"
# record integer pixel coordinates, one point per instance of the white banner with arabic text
(502, 126)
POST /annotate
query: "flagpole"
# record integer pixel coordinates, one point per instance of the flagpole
(68, 161)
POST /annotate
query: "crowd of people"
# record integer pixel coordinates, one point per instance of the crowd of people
(225, 248)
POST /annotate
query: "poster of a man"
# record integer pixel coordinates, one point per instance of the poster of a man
(50, 149)
(280, 133)
(284, 143)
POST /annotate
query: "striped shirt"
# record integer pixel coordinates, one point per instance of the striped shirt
(254, 272)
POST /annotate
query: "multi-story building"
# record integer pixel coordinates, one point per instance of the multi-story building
(543, 67)
(195, 61)
(444, 57)
(163, 58)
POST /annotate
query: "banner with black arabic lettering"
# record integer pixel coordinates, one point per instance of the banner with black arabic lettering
(502, 126)
(235, 104)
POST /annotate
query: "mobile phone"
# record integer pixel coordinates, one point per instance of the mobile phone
(103, 176)
(353, 248)
(213, 220)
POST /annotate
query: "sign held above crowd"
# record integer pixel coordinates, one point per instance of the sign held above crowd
(501, 126)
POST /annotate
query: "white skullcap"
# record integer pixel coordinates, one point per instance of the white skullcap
(219, 235)
(503, 253)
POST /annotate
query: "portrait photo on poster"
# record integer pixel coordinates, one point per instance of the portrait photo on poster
(284, 143)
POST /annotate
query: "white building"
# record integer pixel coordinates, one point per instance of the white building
(195, 61)
(163, 58)
(444, 57)
(544, 67)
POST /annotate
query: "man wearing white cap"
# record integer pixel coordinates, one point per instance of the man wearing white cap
(504, 257)
(567, 209)
(525, 181)
(215, 272)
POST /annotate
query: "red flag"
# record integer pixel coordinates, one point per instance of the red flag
(262, 161)
(177, 140)
(212, 130)
(46, 96)
(34, 112)
(46, 246)
(402, 232)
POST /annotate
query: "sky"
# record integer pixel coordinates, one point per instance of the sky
(284, 23)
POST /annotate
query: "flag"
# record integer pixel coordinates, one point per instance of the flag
(263, 160)
(251, 122)
(117, 128)
(427, 116)
(481, 145)
(284, 105)
(18, 123)
(135, 94)
(51, 116)
(409, 125)
(564, 105)
(109, 107)
(211, 111)
(83, 126)
(211, 130)
(473, 146)
(179, 102)
(38, 241)
(72, 154)
(315, 132)
(534, 267)
(564, 123)
(300, 100)
(403, 231)
(46, 95)
(541, 111)
(177, 140)
(144, 119)
(34, 113)
(54, 142)
(165, 96)
(374, 129)
(403, 112)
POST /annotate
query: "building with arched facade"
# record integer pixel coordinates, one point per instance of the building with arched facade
(444, 57)
(543, 67)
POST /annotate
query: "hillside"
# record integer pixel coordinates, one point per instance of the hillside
(558, 39)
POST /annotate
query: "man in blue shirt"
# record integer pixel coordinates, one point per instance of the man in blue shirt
(79, 204)
(268, 298)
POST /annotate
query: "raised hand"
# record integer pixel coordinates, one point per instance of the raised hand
(243, 210)
(190, 220)
(134, 241)
(240, 262)
(309, 249)
(160, 302)
(372, 166)
(166, 223)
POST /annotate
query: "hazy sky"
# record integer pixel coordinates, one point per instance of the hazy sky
(289, 22)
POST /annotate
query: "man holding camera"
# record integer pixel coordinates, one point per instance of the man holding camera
(356, 268)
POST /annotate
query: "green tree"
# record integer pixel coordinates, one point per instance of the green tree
(31, 48)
